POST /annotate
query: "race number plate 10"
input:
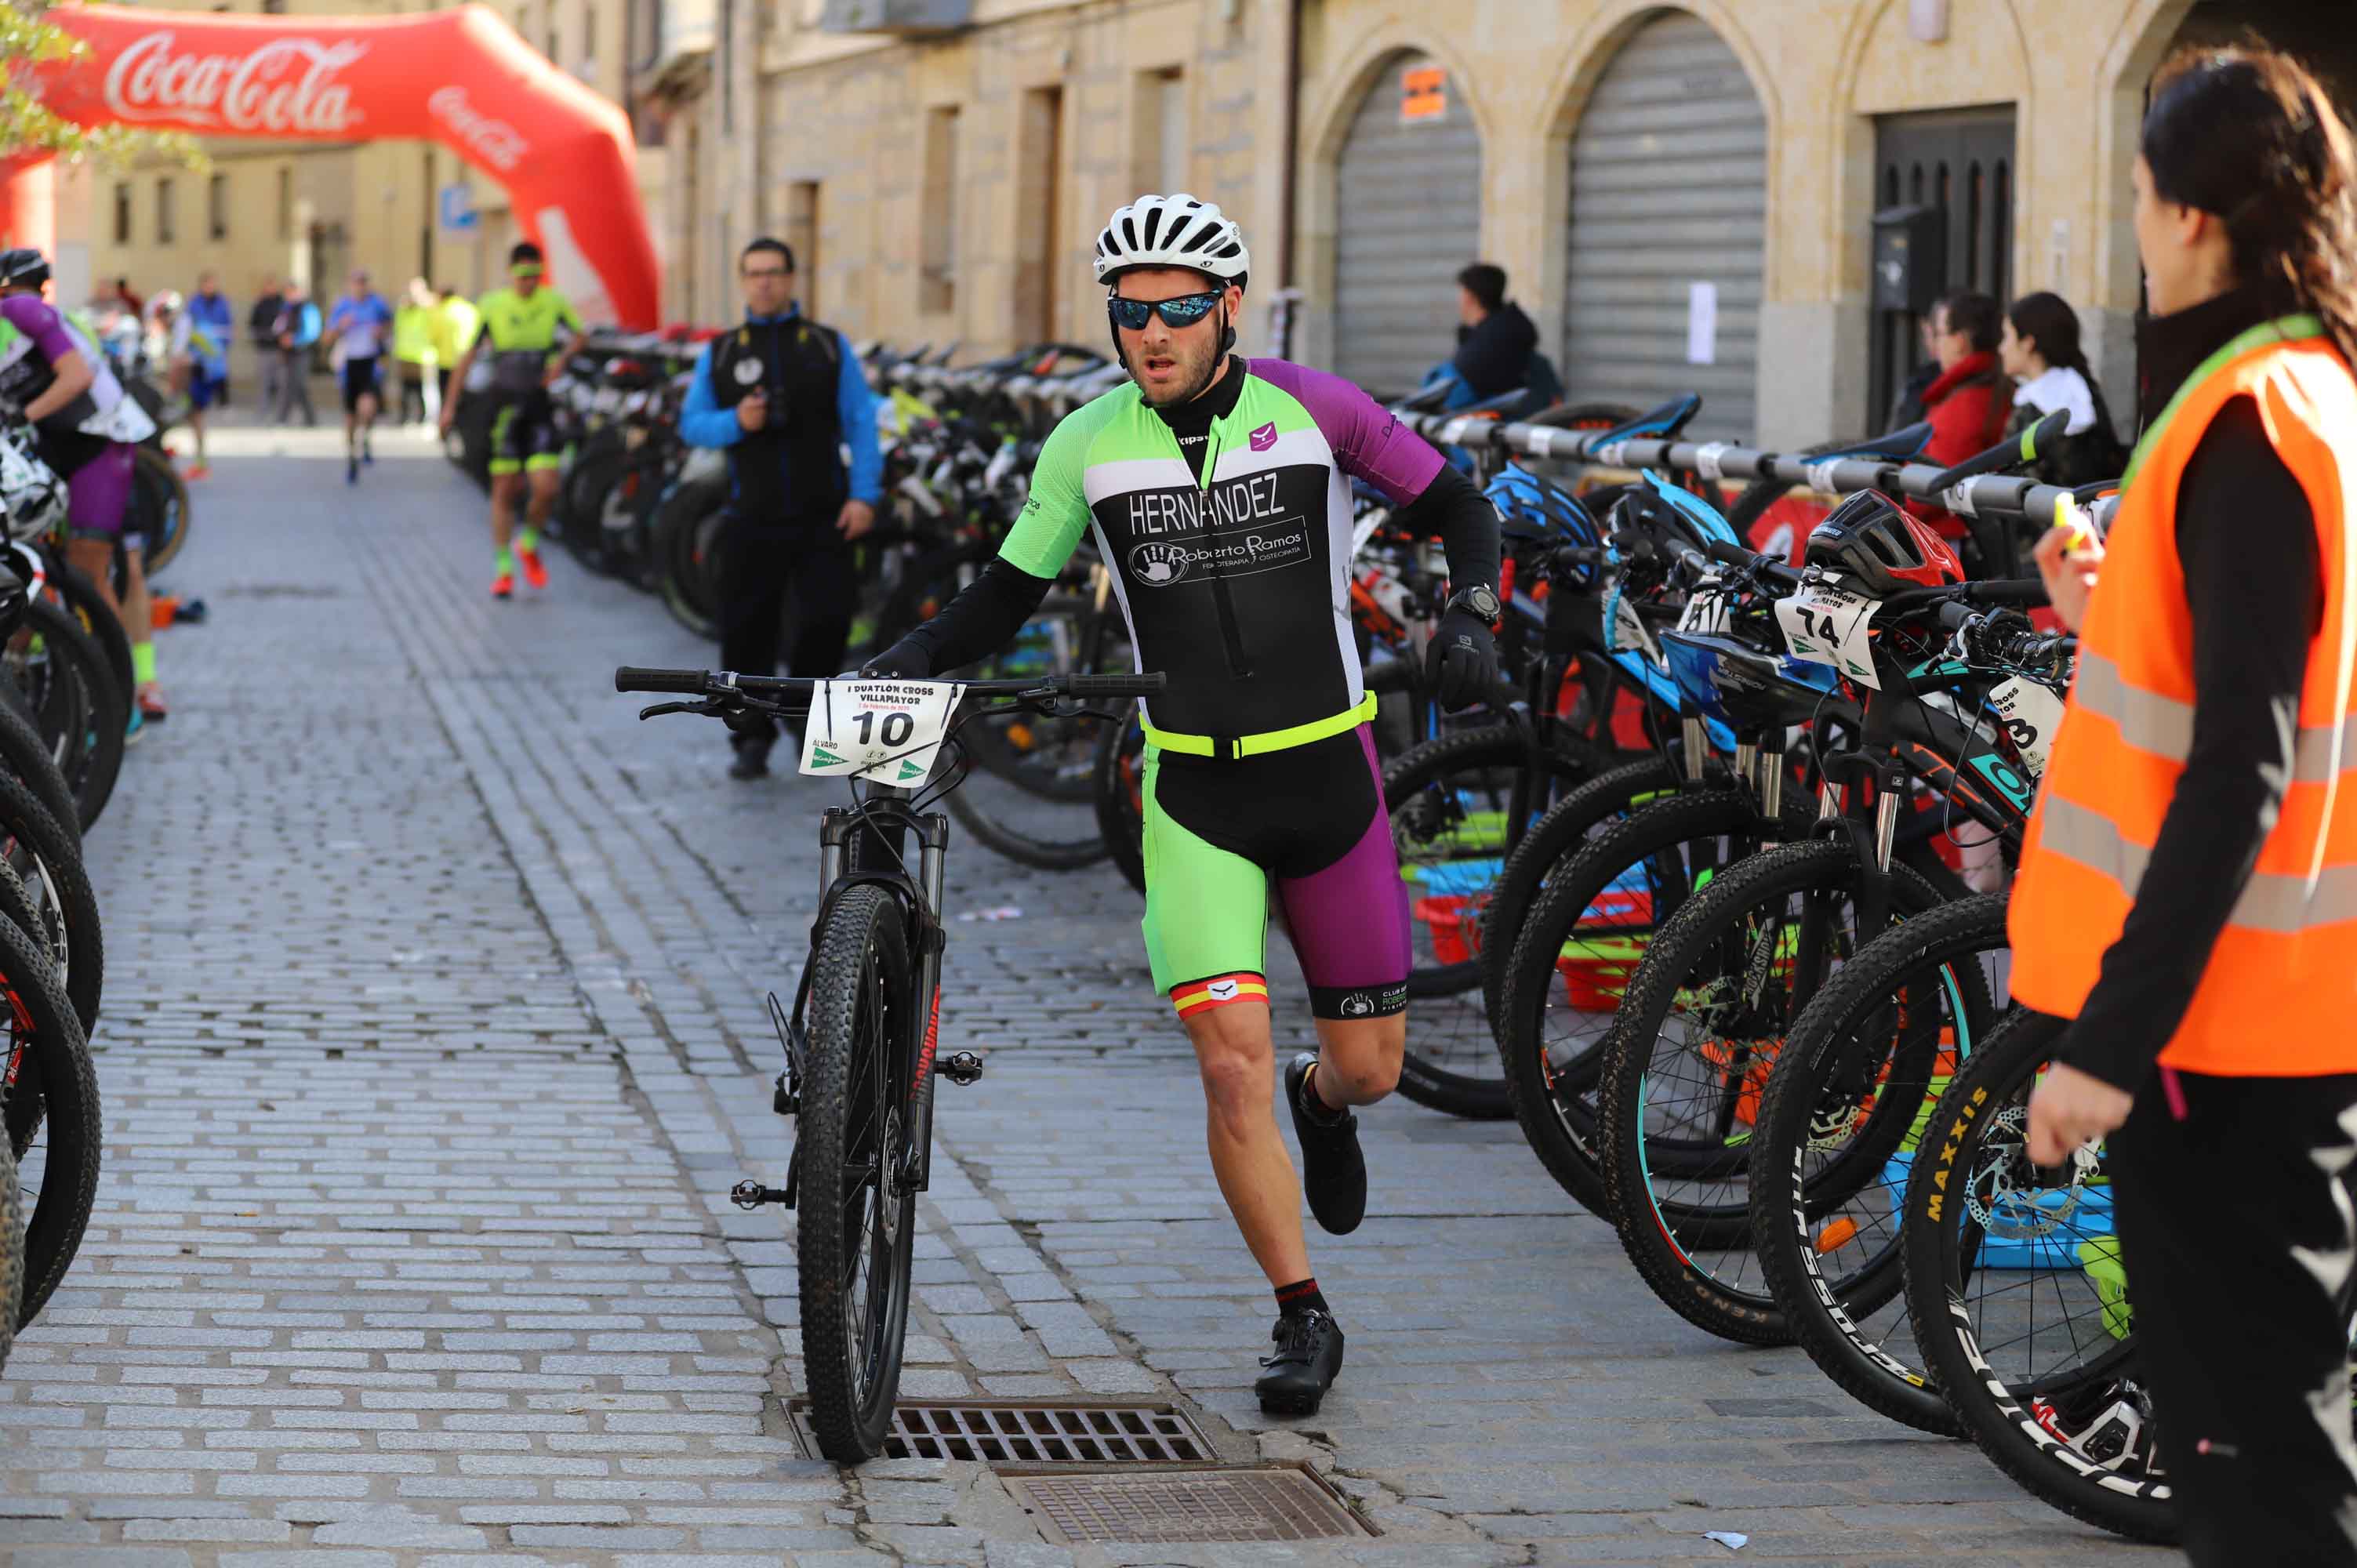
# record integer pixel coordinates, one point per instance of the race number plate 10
(1826, 625)
(886, 731)
(2030, 712)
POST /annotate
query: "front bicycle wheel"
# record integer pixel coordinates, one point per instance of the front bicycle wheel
(49, 1107)
(1842, 1120)
(2019, 1301)
(1702, 1024)
(857, 1162)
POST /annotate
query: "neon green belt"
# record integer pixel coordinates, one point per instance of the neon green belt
(1230, 747)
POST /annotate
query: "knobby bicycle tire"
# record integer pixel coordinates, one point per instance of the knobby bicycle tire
(54, 876)
(81, 712)
(80, 599)
(160, 500)
(1976, 1112)
(27, 758)
(855, 1094)
(54, 1086)
(12, 1251)
(1121, 760)
(686, 529)
(1829, 1305)
(1452, 1065)
(1024, 848)
(1556, 1100)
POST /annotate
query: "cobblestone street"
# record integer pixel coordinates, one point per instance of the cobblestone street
(434, 1036)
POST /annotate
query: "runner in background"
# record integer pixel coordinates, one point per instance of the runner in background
(200, 337)
(358, 328)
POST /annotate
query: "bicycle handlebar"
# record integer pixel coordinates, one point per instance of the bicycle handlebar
(704, 683)
(2005, 453)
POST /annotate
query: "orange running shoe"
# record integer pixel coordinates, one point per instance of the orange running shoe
(201, 471)
(533, 572)
(503, 585)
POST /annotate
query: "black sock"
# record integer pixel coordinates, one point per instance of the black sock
(1314, 1106)
(1302, 1296)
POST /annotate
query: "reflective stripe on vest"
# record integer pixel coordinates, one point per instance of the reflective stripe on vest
(2282, 975)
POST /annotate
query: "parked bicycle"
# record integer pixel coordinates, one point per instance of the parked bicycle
(860, 1040)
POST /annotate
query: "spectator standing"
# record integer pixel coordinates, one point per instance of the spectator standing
(2180, 899)
(1494, 338)
(413, 347)
(455, 323)
(298, 330)
(785, 397)
(201, 335)
(1966, 401)
(2040, 351)
(262, 332)
(358, 327)
(124, 299)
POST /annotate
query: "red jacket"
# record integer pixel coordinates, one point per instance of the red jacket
(1967, 408)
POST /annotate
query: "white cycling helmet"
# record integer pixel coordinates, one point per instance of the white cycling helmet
(1172, 231)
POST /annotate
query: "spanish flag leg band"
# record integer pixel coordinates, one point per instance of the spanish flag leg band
(1220, 991)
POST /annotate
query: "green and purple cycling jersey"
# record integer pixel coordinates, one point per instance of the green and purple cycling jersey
(1233, 566)
(88, 441)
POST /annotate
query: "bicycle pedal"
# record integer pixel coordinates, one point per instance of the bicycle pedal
(751, 1194)
(962, 1067)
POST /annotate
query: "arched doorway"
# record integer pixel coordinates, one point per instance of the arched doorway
(1667, 242)
(1407, 194)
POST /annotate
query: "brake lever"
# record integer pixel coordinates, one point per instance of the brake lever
(711, 706)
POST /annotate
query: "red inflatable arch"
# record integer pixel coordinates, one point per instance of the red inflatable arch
(462, 78)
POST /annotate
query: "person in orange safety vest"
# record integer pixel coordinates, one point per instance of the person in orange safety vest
(2188, 888)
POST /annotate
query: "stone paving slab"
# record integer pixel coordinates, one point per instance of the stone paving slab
(434, 1036)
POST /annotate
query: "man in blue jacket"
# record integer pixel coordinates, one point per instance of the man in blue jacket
(785, 397)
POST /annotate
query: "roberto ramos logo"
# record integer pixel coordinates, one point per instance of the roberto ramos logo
(1160, 563)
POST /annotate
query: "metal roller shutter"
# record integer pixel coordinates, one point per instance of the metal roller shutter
(1669, 188)
(1409, 198)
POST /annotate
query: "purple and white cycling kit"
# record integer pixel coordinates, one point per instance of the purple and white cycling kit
(79, 440)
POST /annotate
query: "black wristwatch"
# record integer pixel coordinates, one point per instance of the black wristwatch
(1481, 599)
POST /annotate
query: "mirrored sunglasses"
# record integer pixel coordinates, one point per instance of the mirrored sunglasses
(1183, 311)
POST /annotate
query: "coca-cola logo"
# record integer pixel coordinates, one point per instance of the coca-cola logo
(496, 142)
(286, 86)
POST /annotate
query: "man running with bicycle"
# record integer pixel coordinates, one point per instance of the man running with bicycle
(1218, 490)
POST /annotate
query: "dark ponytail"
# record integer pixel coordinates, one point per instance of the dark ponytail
(2247, 134)
(2047, 320)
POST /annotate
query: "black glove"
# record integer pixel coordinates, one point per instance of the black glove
(906, 659)
(1461, 666)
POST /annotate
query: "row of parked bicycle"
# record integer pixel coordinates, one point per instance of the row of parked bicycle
(1693, 898)
(66, 697)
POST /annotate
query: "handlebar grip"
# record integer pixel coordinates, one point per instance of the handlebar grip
(1148, 685)
(2008, 591)
(1727, 554)
(2004, 454)
(631, 678)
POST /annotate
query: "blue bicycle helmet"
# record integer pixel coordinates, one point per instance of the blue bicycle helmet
(1529, 507)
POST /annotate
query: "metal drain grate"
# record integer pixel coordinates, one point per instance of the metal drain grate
(1036, 1431)
(1164, 1507)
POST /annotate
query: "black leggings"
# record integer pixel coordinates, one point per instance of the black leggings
(2235, 1228)
(760, 568)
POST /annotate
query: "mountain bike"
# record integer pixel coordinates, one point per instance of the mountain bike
(860, 1040)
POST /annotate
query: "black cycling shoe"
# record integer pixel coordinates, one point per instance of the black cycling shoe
(1309, 1355)
(752, 757)
(1333, 1173)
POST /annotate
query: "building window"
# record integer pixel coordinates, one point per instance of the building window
(165, 229)
(273, 7)
(123, 212)
(937, 274)
(727, 62)
(217, 206)
(1160, 131)
(588, 69)
(286, 203)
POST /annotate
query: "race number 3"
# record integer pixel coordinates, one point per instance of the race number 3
(1827, 625)
(2030, 712)
(886, 731)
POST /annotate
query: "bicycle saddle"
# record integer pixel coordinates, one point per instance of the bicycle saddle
(1662, 424)
(1906, 442)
